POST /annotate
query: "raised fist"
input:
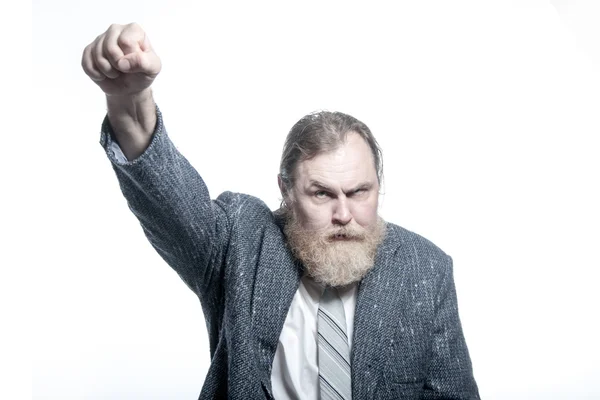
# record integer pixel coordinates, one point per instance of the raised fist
(121, 60)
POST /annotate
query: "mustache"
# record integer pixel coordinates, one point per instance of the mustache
(346, 232)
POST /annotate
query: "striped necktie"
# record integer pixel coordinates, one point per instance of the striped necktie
(334, 353)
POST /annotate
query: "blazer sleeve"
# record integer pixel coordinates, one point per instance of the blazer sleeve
(450, 374)
(173, 206)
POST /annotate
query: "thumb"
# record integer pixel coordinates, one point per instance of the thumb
(146, 62)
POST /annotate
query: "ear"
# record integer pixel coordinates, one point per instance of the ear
(286, 193)
(281, 186)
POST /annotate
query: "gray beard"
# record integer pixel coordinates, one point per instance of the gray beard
(334, 262)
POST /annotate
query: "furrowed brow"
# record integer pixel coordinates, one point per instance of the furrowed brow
(360, 186)
(318, 185)
(364, 185)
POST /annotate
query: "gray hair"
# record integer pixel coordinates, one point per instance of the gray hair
(321, 132)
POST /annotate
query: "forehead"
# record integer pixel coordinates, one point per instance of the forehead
(351, 163)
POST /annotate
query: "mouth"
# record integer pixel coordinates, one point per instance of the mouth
(340, 237)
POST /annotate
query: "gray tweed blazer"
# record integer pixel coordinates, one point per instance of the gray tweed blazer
(408, 340)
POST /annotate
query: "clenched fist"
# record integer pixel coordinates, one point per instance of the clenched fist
(121, 60)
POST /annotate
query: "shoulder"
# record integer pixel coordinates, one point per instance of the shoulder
(244, 209)
(238, 202)
(401, 238)
(414, 251)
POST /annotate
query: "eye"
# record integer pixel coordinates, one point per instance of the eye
(321, 194)
(359, 192)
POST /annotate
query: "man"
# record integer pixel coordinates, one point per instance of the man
(319, 299)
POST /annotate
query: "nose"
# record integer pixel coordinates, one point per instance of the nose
(341, 212)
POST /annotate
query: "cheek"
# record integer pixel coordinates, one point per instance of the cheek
(366, 214)
(314, 217)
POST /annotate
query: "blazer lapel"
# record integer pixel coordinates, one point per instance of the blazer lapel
(275, 285)
(380, 295)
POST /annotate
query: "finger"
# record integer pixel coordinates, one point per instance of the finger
(110, 45)
(138, 53)
(131, 38)
(87, 62)
(100, 60)
(146, 62)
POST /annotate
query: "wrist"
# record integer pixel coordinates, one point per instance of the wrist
(133, 120)
(132, 113)
(140, 97)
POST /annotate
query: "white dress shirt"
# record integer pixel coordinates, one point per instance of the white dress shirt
(295, 374)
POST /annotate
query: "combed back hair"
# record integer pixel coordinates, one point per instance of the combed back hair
(321, 132)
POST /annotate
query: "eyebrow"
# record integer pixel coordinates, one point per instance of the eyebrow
(318, 184)
(322, 186)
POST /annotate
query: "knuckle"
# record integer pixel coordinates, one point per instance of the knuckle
(124, 40)
(90, 71)
(134, 30)
(97, 53)
(96, 46)
(113, 52)
(104, 66)
(127, 43)
(114, 27)
(84, 59)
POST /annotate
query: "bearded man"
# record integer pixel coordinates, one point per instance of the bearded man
(319, 299)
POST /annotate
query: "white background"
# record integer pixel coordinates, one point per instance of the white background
(488, 115)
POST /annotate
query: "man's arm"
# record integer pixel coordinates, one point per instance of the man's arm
(122, 62)
(450, 374)
(162, 189)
